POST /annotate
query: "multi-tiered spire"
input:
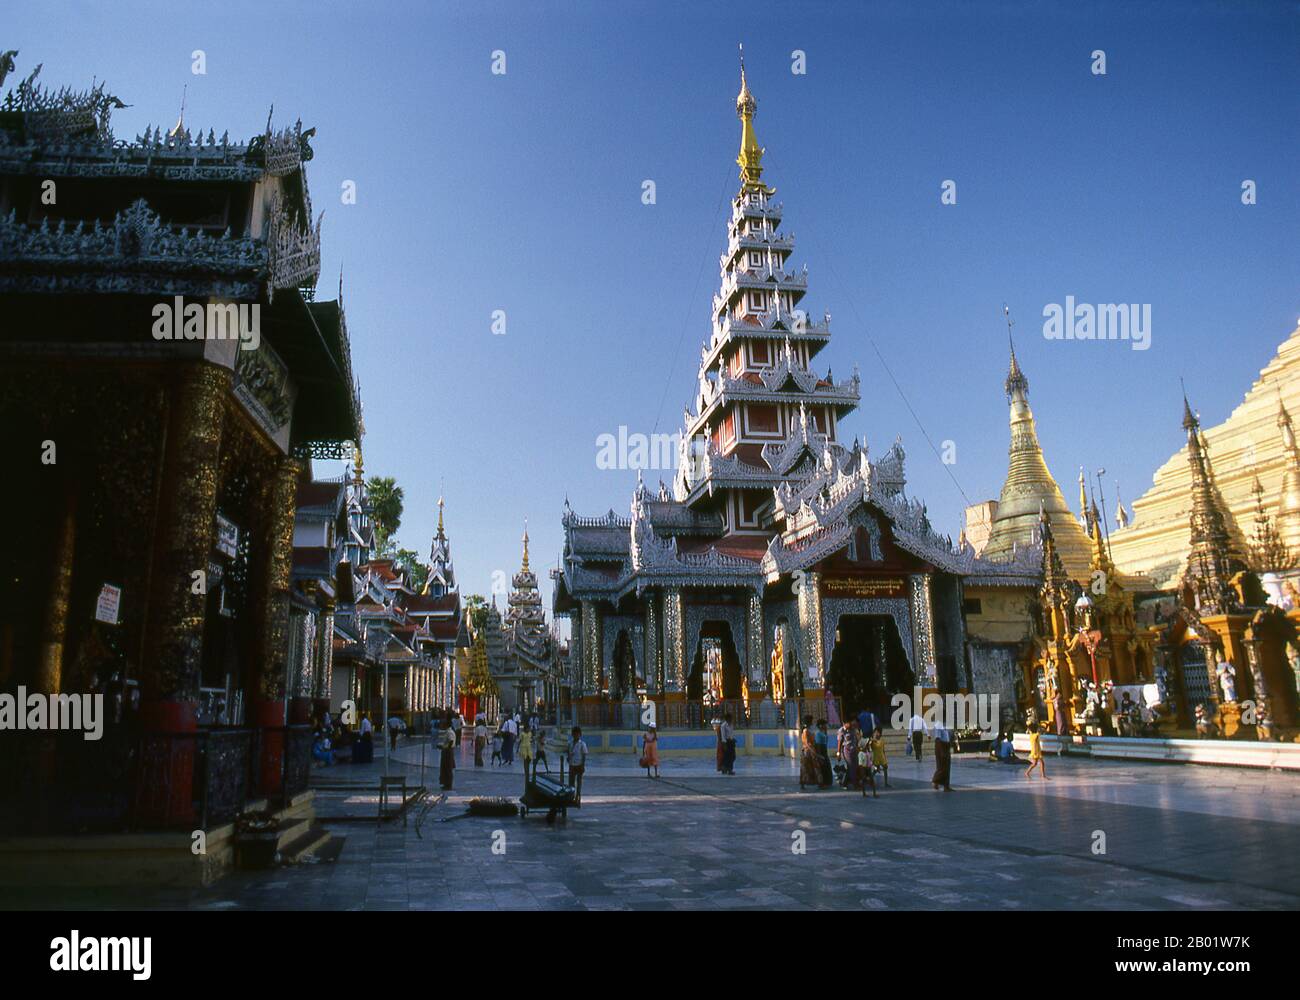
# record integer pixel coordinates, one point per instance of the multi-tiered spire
(442, 576)
(525, 621)
(760, 410)
(1029, 492)
(1211, 563)
(1288, 515)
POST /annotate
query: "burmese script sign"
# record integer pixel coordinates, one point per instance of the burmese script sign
(864, 586)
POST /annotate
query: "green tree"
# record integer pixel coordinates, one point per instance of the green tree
(416, 572)
(476, 610)
(386, 510)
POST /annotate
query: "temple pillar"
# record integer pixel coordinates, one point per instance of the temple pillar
(653, 664)
(325, 665)
(592, 649)
(185, 535)
(754, 641)
(54, 627)
(810, 628)
(923, 630)
(674, 644)
(269, 710)
(303, 668)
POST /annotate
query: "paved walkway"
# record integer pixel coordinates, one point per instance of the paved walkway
(1176, 837)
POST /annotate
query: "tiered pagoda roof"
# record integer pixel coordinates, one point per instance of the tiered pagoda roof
(763, 487)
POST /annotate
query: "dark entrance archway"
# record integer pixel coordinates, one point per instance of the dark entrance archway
(868, 664)
(718, 636)
(623, 675)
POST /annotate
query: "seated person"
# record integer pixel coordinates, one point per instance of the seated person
(321, 749)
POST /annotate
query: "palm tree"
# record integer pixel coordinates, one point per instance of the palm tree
(386, 509)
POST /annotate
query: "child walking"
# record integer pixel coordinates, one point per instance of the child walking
(878, 756)
(1036, 755)
(865, 775)
(496, 748)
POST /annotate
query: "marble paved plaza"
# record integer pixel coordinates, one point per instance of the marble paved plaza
(1176, 837)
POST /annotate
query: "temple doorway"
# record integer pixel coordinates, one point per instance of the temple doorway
(868, 664)
(623, 678)
(715, 670)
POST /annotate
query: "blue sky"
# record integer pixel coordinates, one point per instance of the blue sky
(522, 192)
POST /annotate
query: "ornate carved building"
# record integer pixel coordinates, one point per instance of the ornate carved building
(165, 368)
(774, 535)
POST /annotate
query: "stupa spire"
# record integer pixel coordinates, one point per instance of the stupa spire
(1288, 514)
(1029, 487)
(1210, 563)
(751, 154)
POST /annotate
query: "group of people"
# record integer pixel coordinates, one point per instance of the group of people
(860, 749)
(330, 738)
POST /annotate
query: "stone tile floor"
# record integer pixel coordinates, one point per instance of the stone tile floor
(1176, 837)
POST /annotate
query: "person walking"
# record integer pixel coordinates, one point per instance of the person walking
(879, 759)
(650, 751)
(865, 775)
(1036, 755)
(942, 759)
(809, 767)
(846, 748)
(480, 739)
(497, 741)
(577, 763)
(395, 726)
(526, 751)
(728, 736)
(822, 739)
(916, 733)
(446, 753)
(539, 751)
(457, 724)
(509, 731)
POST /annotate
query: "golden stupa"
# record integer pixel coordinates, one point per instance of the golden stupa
(1257, 439)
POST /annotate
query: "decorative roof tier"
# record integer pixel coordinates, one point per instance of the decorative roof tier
(67, 134)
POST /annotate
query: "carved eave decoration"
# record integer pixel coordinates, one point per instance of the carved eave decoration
(137, 253)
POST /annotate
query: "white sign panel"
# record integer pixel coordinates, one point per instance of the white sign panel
(227, 537)
(106, 608)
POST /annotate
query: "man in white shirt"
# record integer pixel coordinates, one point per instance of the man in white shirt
(577, 762)
(728, 735)
(916, 733)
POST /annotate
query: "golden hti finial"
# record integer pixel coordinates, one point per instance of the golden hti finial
(751, 154)
(179, 127)
(525, 565)
(439, 516)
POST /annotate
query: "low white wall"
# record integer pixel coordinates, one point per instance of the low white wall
(1238, 753)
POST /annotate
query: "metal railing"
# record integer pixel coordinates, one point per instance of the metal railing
(60, 782)
(700, 714)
